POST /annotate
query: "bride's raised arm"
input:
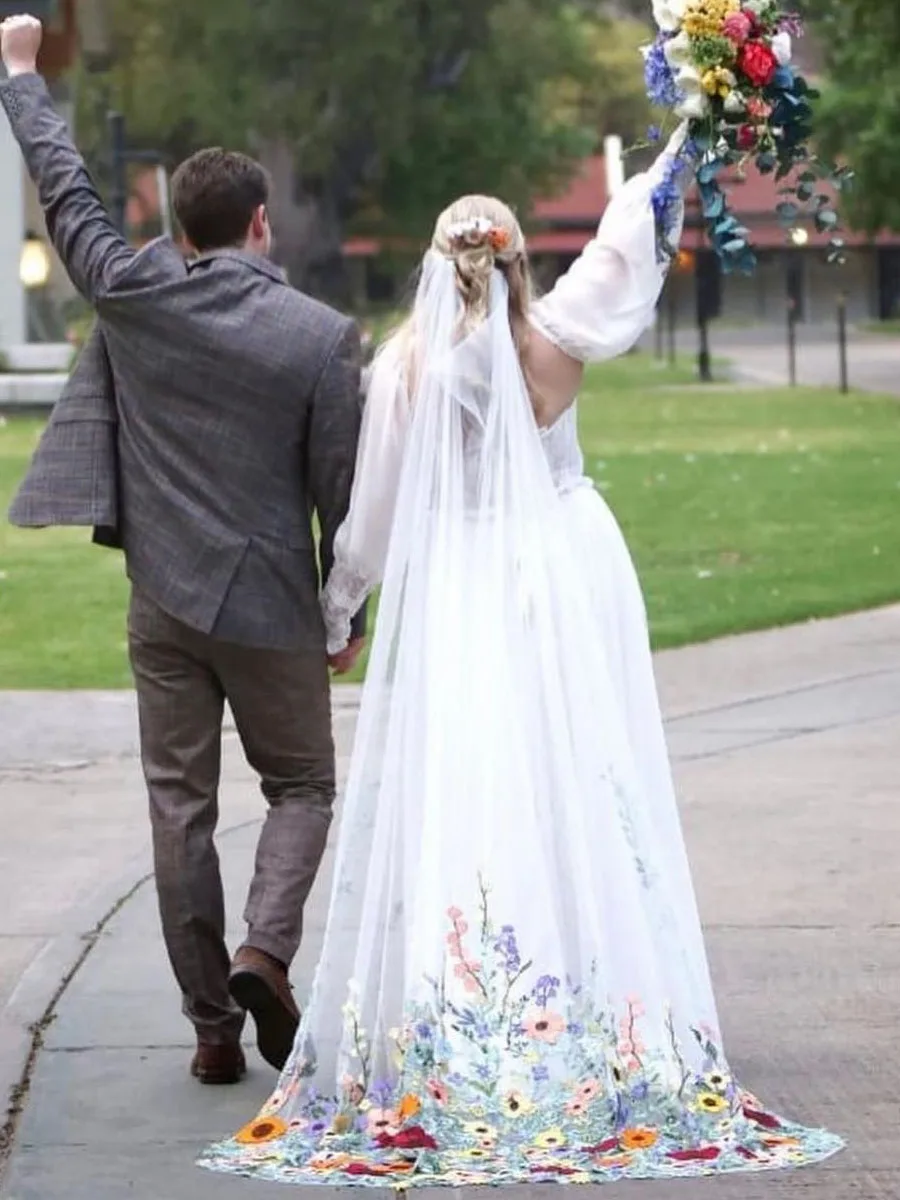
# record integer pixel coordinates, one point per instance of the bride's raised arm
(361, 544)
(600, 307)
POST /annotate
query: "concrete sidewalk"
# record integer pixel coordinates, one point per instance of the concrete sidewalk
(785, 746)
(761, 357)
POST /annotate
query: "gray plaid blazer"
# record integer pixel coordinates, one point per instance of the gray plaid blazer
(73, 476)
(214, 412)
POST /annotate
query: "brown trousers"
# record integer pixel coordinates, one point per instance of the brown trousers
(281, 706)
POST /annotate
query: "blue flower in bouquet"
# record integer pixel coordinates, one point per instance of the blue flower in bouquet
(662, 87)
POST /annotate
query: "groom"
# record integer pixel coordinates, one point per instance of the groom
(236, 417)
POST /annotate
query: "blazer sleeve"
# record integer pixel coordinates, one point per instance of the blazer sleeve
(95, 254)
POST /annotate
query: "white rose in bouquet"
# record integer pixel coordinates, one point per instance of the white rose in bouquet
(695, 101)
(782, 48)
(734, 103)
(678, 52)
(669, 14)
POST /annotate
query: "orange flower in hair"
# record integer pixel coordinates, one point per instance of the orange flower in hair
(499, 239)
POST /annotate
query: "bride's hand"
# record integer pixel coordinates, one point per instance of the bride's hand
(345, 660)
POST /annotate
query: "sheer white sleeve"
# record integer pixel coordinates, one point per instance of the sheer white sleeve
(607, 298)
(361, 543)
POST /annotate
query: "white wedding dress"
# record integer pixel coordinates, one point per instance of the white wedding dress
(513, 986)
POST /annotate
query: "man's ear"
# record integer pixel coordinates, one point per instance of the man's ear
(259, 226)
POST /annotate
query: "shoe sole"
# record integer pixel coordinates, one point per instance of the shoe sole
(276, 1026)
(213, 1079)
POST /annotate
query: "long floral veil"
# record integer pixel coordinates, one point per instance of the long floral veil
(490, 760)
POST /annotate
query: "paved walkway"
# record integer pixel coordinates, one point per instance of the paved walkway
(761, 356)
(785, 745)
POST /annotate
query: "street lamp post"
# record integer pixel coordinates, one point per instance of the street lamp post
(120, 157)
(842, 342)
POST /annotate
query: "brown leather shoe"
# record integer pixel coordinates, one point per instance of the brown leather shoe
(219, 1063)
(260, 985)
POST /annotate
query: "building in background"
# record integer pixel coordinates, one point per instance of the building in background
(788, 268)
(794, 268)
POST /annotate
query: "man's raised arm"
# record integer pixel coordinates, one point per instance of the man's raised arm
(94, 253)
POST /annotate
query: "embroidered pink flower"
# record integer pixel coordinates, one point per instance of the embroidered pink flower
(590, 1089)
(382, 1120)
(468, 972)
(545, 1026)
(738, 27)
(438, 1091)
(577, 1107)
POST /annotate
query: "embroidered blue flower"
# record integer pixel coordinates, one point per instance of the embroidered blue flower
(507, 947)
(545, 990)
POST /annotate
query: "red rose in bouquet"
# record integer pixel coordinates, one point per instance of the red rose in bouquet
(758, 63)
(747, 138)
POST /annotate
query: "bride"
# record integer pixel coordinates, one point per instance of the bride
(513, 986)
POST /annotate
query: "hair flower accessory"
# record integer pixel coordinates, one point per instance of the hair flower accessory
(725, 66)
(475, 232)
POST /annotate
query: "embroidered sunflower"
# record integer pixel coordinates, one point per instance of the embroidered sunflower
(517, 1105)
(550, 1139)
(264, 1129)
(710, 1102)
(639, 1139)
(716, 1081)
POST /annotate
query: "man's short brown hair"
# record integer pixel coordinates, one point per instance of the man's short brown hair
(215, 194)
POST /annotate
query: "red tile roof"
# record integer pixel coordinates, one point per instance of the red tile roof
(753, 198)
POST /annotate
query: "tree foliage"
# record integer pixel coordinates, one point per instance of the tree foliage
(386, 109)
(859, 116)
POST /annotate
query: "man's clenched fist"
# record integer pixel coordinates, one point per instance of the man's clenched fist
(20, 41)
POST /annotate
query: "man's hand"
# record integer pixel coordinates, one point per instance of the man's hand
(345, 660)
(20, 41)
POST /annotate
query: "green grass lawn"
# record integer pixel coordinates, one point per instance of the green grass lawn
(744, 509)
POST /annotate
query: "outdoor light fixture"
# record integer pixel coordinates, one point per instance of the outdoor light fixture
(799, 236)
(34, 263)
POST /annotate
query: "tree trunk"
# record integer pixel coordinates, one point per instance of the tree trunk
(308, 232)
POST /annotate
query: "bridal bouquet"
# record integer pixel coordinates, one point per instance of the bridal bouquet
(725, 66)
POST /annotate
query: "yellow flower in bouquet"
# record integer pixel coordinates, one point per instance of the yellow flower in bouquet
(705, 18)
(718, 81)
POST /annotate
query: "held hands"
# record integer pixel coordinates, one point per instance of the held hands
(20, 41)
(345, 660)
